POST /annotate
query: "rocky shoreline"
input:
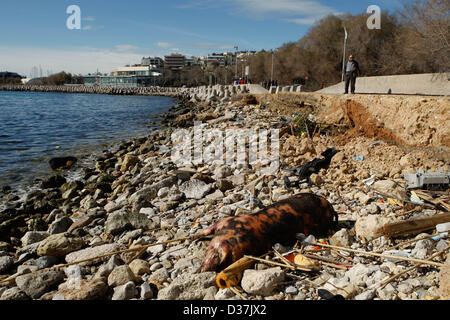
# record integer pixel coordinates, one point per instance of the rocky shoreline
(136, 197)
(217, 93)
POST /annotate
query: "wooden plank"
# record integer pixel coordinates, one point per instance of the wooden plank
(413, 226)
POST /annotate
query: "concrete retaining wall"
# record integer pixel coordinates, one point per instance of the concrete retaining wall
(423, 84)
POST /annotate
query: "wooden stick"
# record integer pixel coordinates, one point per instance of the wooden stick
(271, 262)
(385, 256)
(413, 226)
(236, 291)
(405, 213)
(286, 261)
(384, 283)
(328, 262)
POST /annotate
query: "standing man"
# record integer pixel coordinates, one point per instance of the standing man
(351, 72)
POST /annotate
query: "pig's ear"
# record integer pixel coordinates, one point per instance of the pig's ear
(224, 252)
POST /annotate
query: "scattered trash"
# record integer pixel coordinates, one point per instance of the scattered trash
(305, 262)
(300, 237)
(394, 202)
(444, 227)
(309, 240)
(232, 275)
(305, 171)
(359, 158)
(397, 253)
(442, 236)
(375, 144)
(416, 200)
(428, 180)
(327, 295)
(370, 181)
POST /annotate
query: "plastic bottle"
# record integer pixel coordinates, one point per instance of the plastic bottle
(444, 227)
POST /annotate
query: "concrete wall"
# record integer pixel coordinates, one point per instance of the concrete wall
(424, 84)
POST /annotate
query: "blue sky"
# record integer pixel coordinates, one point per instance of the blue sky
(115, 33)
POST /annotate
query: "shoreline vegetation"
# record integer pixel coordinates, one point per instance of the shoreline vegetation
(129, 218)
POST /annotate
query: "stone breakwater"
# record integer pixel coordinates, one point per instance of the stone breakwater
(217, 93)
(135, 196)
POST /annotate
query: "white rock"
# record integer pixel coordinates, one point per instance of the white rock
(195, 189)
(387, 293)
(423, 249)
(369, 227)
(405, 288)
(262, 282)
(341, 238)
(146, 291)
(386, 186)
(163, 192)
(357, 273)
(366, 295)
(125, 292)
(188, 287)
(224, 294)
(6, 262)
(34, 236)
(291, 290)
(89, 253)
(150, 212)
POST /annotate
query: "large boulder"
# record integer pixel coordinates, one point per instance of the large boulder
(58, 245)
(262, 282)
(195, 189)
(62, 162)
(84, 290)
(188, 287)
(92, 252)
(122, 220)
(35, 285)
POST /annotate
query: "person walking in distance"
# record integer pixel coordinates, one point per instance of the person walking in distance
(351, 72)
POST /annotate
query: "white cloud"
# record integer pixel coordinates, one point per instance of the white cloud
(164, 44)
(291, 7)
(125, 47)
(303, 12)
(295, 11)
(76, 61)
(302, 21)
(213, 45)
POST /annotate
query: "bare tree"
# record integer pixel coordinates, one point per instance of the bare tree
(426, 33)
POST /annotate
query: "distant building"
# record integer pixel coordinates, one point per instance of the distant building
(175, 61)
(230, 58)
(133, 71)
(135, 76)
(155, 62)
(192, 61)
(220, 59)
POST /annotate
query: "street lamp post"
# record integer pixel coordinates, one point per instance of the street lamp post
(271, 74)
(236, 74)
(343, 58)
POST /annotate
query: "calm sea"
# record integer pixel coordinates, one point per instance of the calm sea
(34, 127)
